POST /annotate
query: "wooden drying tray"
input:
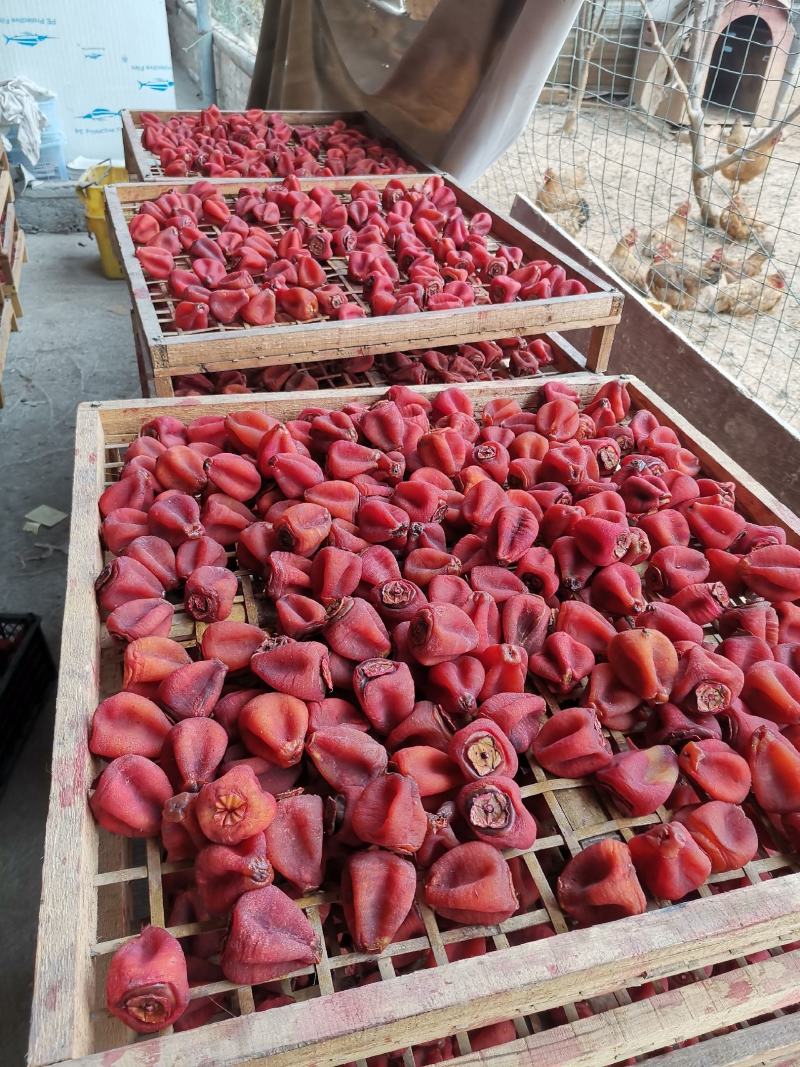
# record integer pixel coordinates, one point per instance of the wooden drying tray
(98, 889)
(334, 373)
(144, 166)
(242, 347)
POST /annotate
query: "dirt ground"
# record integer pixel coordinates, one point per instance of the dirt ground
(636, 176)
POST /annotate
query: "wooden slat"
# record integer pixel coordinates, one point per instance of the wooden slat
(123, 417)
(14, 255)
(769, 1044)
(136, 163)
(294, 117)
(267, 346)
(144, 316)
(7, 325)
(599, 352)
(114, 908)
(427, 1004)
(566, 360)
(60, 1023)
(6, 189)
(132, 194)
(9, 228)
(659, 1021)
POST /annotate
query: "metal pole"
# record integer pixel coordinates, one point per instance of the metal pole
(205, 50)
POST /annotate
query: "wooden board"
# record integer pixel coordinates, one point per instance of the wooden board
(6, 184)
(13, 253)
(331, 1023)
(8, 232)
(240, 346)
(143, 165)
(334, 374)
(8, 325)
(645, 1026)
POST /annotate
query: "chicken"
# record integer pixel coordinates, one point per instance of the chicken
(751, 165)
(573, 219)
(745, 264)
(627, 262)
(751, 296)
(739, 220)
(674, 229)
(664, 310)
(686, 286)
(561, 190)
(737, 137)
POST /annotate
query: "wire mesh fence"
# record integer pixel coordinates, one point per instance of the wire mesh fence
(667, 140)
(242, 18)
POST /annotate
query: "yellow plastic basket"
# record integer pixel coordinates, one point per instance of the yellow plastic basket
(90, 191)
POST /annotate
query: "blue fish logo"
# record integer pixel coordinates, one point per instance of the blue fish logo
(28, 40)
(99, 113)
(92, 55)
(159, 84)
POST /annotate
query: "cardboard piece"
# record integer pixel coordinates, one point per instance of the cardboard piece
(98, 57)
(44, 515)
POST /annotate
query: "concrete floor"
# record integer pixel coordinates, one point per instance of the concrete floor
(74, 344)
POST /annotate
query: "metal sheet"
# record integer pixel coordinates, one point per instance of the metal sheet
(457, 87)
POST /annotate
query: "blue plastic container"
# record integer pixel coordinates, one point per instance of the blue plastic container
(52, 165)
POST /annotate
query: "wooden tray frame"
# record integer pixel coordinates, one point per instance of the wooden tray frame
(8, 325)
(89, 876)
(6, 184)
(143, 166)
(13, 253)
(171, 352)
(333, 374)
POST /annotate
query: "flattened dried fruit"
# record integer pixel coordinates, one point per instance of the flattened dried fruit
(129, 797)
(377, 893)
(600, 884)
(668, 861)
(269, 937)
(274, 726)
(224, 872)
(494, 811)
(571, 744)
(234, 807)
(640, 780)
(724, 833)
(390, 814)
(471, 883)
(147, 985)
(294, 841)
(482, 749)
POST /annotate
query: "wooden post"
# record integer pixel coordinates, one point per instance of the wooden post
(599, 351)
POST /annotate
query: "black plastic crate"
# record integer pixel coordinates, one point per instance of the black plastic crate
(26, 674)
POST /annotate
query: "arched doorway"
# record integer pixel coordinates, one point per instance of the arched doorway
(739, 65)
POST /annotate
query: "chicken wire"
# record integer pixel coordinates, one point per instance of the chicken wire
(242, 19)
(630, 137)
